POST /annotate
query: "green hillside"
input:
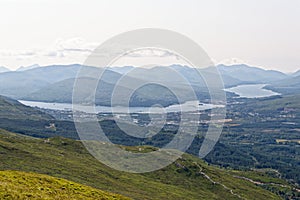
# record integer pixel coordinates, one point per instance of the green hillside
(21, 185)
(26, 120)
(188, 178)
(12, 109)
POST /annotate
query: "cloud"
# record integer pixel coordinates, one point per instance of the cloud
(54, 54)
(150, 52)
(59, 49)
(9, 53)
(232, 61)
(28, 53)
(75, 45)
(73, 50)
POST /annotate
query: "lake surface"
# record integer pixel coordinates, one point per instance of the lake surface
(185, 107)
(252, 91)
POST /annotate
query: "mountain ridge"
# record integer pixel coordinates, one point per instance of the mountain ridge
(33, 84)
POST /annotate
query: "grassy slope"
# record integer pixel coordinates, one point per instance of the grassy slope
(12, 109)
(21, 185)
(68, 159)
(22, 119)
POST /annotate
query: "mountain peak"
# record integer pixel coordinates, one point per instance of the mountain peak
(297, 73)
(22, 68)
(251, 74)
(3, 69)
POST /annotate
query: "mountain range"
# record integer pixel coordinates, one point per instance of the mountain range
(55, 83)
(251, 74)
(297, 73)
(22, 68)
(64, 166)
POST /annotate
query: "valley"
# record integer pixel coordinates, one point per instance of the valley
(256, 157)
(149, 100)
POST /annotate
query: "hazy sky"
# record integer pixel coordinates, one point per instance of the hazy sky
(264, 33)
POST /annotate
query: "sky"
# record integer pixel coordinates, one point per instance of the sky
(264, 33)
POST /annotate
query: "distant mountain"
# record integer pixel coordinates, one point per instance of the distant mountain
(232, 75)
(191, 75)
(289, 85)
(54, 83)
(61, 92)
(250, 74)
(3, 69)
(297, 73)
(28, 67)
(17, 84)
(121, 70)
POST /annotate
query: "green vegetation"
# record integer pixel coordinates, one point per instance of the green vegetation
(26, 120)
(251, 139)
(12, 109)
(270, 104)
(187, 178)
(21, 185)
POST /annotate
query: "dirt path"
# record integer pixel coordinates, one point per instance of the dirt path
(217, 183)
(261, 183)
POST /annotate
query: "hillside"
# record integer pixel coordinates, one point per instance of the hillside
(287, 86)
(297, 73)
(19, 118)
(146, 95)
(251, 74)
(55, 83)
(188, 178)
(21, 185)
(12, 109)
(61, 92)
(17, 84)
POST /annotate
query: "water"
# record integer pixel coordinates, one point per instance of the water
(252, 91)
(185, 107)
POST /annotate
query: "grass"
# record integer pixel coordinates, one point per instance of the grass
(68, 159)
(22, 185)
(12, 109)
